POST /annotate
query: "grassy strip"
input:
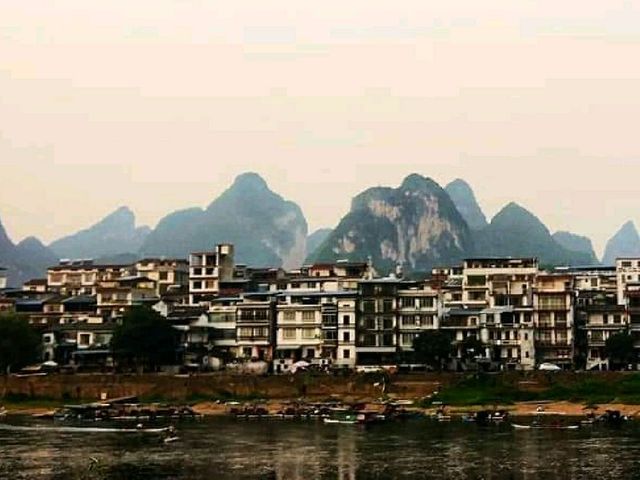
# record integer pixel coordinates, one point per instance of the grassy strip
(497, 389)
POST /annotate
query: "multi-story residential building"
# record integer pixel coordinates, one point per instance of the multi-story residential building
(3, 278)
(82, 277)
(628, 274)
(36, 285)
(597, 314)
(553, 318)
(81, 344)
(316, 326)
(418, 309)
(255, 327)
(346, 352)
(115, 297)
(207, 270)
(223, 314)
(169, 274)
(377, 342)
(299, 332)
(491, 301)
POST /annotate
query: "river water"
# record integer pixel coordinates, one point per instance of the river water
(221, 449)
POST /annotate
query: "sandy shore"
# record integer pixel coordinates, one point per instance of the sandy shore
(553, 408)
(214, 409)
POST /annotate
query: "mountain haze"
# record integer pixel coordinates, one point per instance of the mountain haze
(316, 239)
(265, 229)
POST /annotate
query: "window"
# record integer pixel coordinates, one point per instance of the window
(308, 316)
(308, 333)
(387, 323)
(477, 296)
(407, 302)
(387, 306)
(260, 332)
(245, 331)
(330, 335)
(197, 285)
(85, 339)
(617, 319)
(553, 302)
(288, 333)
(476, 280)
(289, 316)
(346, 337)
(425, 302)
(163, 276)
(407, 339)
(346, 320)
(346, 354)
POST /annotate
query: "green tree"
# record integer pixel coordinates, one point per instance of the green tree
(471, 348)
(20, 344)
(145, 339)
(619, 350)
(433, 348)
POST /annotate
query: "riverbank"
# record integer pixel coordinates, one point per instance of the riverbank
(521, 393)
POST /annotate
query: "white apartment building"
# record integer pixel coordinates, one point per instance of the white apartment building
(207, 270)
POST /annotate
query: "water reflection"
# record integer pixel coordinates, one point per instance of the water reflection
(224, 449)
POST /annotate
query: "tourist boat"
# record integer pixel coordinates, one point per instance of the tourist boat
(349, 416)
(123, 409)
(535, 426)
(38, 428)
(342, 418)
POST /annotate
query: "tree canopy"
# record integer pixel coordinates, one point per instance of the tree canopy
(471, 348)
(19, 343)
(433, 348)
(619, 350)
(145, 339)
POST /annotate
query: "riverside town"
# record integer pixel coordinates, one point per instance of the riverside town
(497, 314)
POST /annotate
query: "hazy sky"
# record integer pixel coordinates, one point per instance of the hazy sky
(158, 104)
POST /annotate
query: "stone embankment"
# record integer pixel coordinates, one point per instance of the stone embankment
(74, 388)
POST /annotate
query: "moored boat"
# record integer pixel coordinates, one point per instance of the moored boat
(59, 429)
(535, 426)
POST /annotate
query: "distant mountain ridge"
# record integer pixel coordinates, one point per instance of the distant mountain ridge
(576, 243)
(266, 229)
(389, 225)
(416, 225)
(516, 232)
(24, 261)
(625, 243)
(114, 234)
(465, 201)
